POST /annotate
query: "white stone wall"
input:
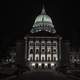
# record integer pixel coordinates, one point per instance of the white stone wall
(30, 56)
(48, 57)
(36, 56)
(55, 57)
(42, 57)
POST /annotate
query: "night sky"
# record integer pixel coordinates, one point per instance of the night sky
(18, 17)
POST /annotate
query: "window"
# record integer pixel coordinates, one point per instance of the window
(33, 64)
(54, 44)
(37, 58)
(31, 51)
(31, 43)
(43, 59)
(54, 58)
(43, 51)
(48, 58)
(52, 64)
(43, 43)
(48, 43)
(48, 51)
(54, 51)
(37, 44)
(31, 58)
(37, 51)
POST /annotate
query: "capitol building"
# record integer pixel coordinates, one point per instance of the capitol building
(43, 44)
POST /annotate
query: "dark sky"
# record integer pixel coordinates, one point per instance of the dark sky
(18, 17)
(65, 16)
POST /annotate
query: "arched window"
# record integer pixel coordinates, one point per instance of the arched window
(54, 51)
(37, 58)
(48, 51)
(48, 58)
(31, 58)
(43, 51)
(42, 57)
(37, 51)
(31, 51)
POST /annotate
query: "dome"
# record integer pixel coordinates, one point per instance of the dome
(43, 22)
(43, 18)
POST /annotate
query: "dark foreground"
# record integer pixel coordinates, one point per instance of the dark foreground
(40, 76)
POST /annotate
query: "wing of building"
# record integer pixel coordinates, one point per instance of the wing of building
(43, 44)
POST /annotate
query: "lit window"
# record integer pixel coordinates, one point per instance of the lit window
(48, 57)
(33, 64)
(39, 64)
(52, 64)
(39, 30)
(55, 57)
(36, 57)
(49, 51)
(46, 64)
(30, 57)
(43, 57)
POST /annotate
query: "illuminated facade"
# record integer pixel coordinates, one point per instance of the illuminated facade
(43, 44)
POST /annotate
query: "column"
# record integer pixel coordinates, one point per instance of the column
(51, 50)
(46, 50)
(40, 51)
(34, 50)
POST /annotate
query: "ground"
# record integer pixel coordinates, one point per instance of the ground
(7, 73)
(41, 76)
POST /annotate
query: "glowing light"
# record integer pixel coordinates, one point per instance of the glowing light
(42, 18)
(56, 58)
(46, 64)
(39, 64)
(33, 64)
(52, 64)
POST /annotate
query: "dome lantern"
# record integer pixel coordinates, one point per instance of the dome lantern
(43, 11)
